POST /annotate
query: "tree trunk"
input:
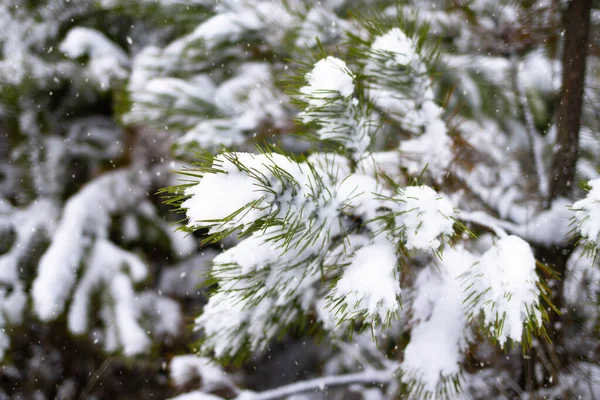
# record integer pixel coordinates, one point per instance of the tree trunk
(568, 117)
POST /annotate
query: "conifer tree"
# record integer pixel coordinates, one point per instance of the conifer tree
(375, 186)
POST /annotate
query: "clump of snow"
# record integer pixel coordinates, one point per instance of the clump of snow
(164, 312)
(229, 321)
(395, 41)
(81, 41)
(229, 194)
(246, 179)
(426, 216)
(228, 26)
(107, 60)
(438, 339)
(587, 213)
(255, 252)
(340, 116)
(357, 194)
(548, 227)
(236, 20)
(329, 78)
(184, 369)
(370, 285)
(505, 278)
(131, 335)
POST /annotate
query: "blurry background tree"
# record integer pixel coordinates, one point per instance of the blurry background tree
(97, 100)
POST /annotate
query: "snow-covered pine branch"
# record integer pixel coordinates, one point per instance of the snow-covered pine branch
(82, 264)
(586, 220)
(324, 239)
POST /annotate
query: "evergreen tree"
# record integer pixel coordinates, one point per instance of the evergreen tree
(376, 186)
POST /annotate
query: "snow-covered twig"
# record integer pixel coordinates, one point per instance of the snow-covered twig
(485, 220)
(548, 227)
(367, 378)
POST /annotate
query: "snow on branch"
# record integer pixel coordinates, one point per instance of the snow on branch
(82, 264)
(107, 61)
(184, 369)
(433, 356)
(371, 377)
(369, 286)
(504, 287)
(330, 103)
(548, 227)
(408, 98)
(587, 217)
(85, 217)
(323, 238)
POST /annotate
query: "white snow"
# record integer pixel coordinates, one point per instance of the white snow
(226, 27)
(431, 151)
(506, 278)
(587, 213)
(370, 285)
(231, 191)
(107, 60)
(196, 395)
(340, 117)
(131, 335)
(426, 215)
(395, 41)
(329, 78)
(81, 41)
(413, 105)
(86, 214)
(250, 97)
(213, 133)
(434, 352)
(103, 273)
(183, 369)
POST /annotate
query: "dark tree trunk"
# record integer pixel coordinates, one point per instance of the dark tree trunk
(568, 117)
